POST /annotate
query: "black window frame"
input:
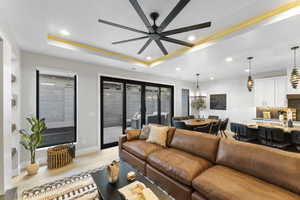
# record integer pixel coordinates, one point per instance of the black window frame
(188, 101)
(75, 108)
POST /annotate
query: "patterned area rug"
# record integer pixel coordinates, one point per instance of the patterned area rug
(77, 187)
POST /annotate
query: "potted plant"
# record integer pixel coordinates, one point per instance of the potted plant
(198, 103)
(31, 140)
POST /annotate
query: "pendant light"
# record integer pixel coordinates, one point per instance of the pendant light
(294, 79)
(250, 82)
(198, 75)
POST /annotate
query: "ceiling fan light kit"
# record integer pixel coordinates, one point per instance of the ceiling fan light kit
(156, 33)
(294, 79)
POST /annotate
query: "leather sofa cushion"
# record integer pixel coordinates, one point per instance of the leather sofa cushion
(272, 165)
(196, 143)
(140, 148)
(178, 165)
(222, 183)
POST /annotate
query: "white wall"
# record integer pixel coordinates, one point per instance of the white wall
(88, 93)
(240, 102)
(9, 52)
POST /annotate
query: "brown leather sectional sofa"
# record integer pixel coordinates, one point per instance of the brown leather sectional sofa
(198, 166)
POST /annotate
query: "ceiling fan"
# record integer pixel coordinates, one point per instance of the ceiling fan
(157, 33)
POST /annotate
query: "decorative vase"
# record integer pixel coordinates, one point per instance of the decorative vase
(32, 169)
(113, 171)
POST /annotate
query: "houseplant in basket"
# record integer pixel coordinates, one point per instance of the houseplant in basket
(31, 139)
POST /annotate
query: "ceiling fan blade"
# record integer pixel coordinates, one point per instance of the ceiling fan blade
(142, 15)
(180, 42)
(121, 26)
(176, 10)
(186, 29)
(130, 40)
(161, 46)
(145, 46)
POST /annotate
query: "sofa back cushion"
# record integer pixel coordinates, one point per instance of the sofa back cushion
(196, 143)
(272, 165)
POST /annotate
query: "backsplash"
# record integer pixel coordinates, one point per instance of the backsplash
(274, 112)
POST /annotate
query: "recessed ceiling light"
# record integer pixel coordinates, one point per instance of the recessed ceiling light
(178, 68)
(229, 59)
(64, 32)
(191, 38)
(212, 78)
(148, 57)
(247, 70)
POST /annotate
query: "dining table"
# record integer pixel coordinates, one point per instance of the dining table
(198, 122)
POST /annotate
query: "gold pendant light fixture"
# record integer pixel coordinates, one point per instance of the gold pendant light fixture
(250, 82)
(198, 75)
(294, 79)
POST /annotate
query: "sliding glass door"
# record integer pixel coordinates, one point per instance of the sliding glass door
(128, 104)
(112, 112)
(151, 100)
(133, 106)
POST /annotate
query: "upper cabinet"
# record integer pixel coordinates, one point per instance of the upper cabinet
(270, 92)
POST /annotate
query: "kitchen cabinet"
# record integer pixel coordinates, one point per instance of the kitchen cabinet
(270, 92)
(280, 91)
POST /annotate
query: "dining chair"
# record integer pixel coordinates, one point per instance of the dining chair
(179, 124)
(296, 139)
(213, 117)
(215, 127)
(264, 136)
(279, 138)
(204, 128)
(223, 127)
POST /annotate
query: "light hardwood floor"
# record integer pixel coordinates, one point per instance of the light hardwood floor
(80, 164)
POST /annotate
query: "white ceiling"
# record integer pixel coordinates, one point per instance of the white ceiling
(32, 20)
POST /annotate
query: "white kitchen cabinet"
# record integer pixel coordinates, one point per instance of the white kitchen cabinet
(270, 92)
(280, 91)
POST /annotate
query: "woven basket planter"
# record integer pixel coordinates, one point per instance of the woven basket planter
(59, 156)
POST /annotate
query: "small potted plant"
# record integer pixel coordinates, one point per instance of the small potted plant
(31, 140)
(198, 103)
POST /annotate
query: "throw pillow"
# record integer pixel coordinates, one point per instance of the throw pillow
(133, 134)
(145, 132)
(158, 135)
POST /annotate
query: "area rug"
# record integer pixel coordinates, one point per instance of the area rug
(77, 187)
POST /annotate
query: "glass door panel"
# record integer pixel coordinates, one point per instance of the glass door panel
(151, 102)
(133, 106)
(112, 117)
(166, 105)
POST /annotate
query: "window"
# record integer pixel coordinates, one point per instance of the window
(185, 102)
(56, 103)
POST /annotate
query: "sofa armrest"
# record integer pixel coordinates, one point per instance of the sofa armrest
(122, 139)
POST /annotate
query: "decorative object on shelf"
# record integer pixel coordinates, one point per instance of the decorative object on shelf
(156, 33)
(13, 127)
(13, 78)
(250, 82)
(31, 140)
(14, 101)
(113, 171)
(131, 176)
(59, 156)
(294, 79)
